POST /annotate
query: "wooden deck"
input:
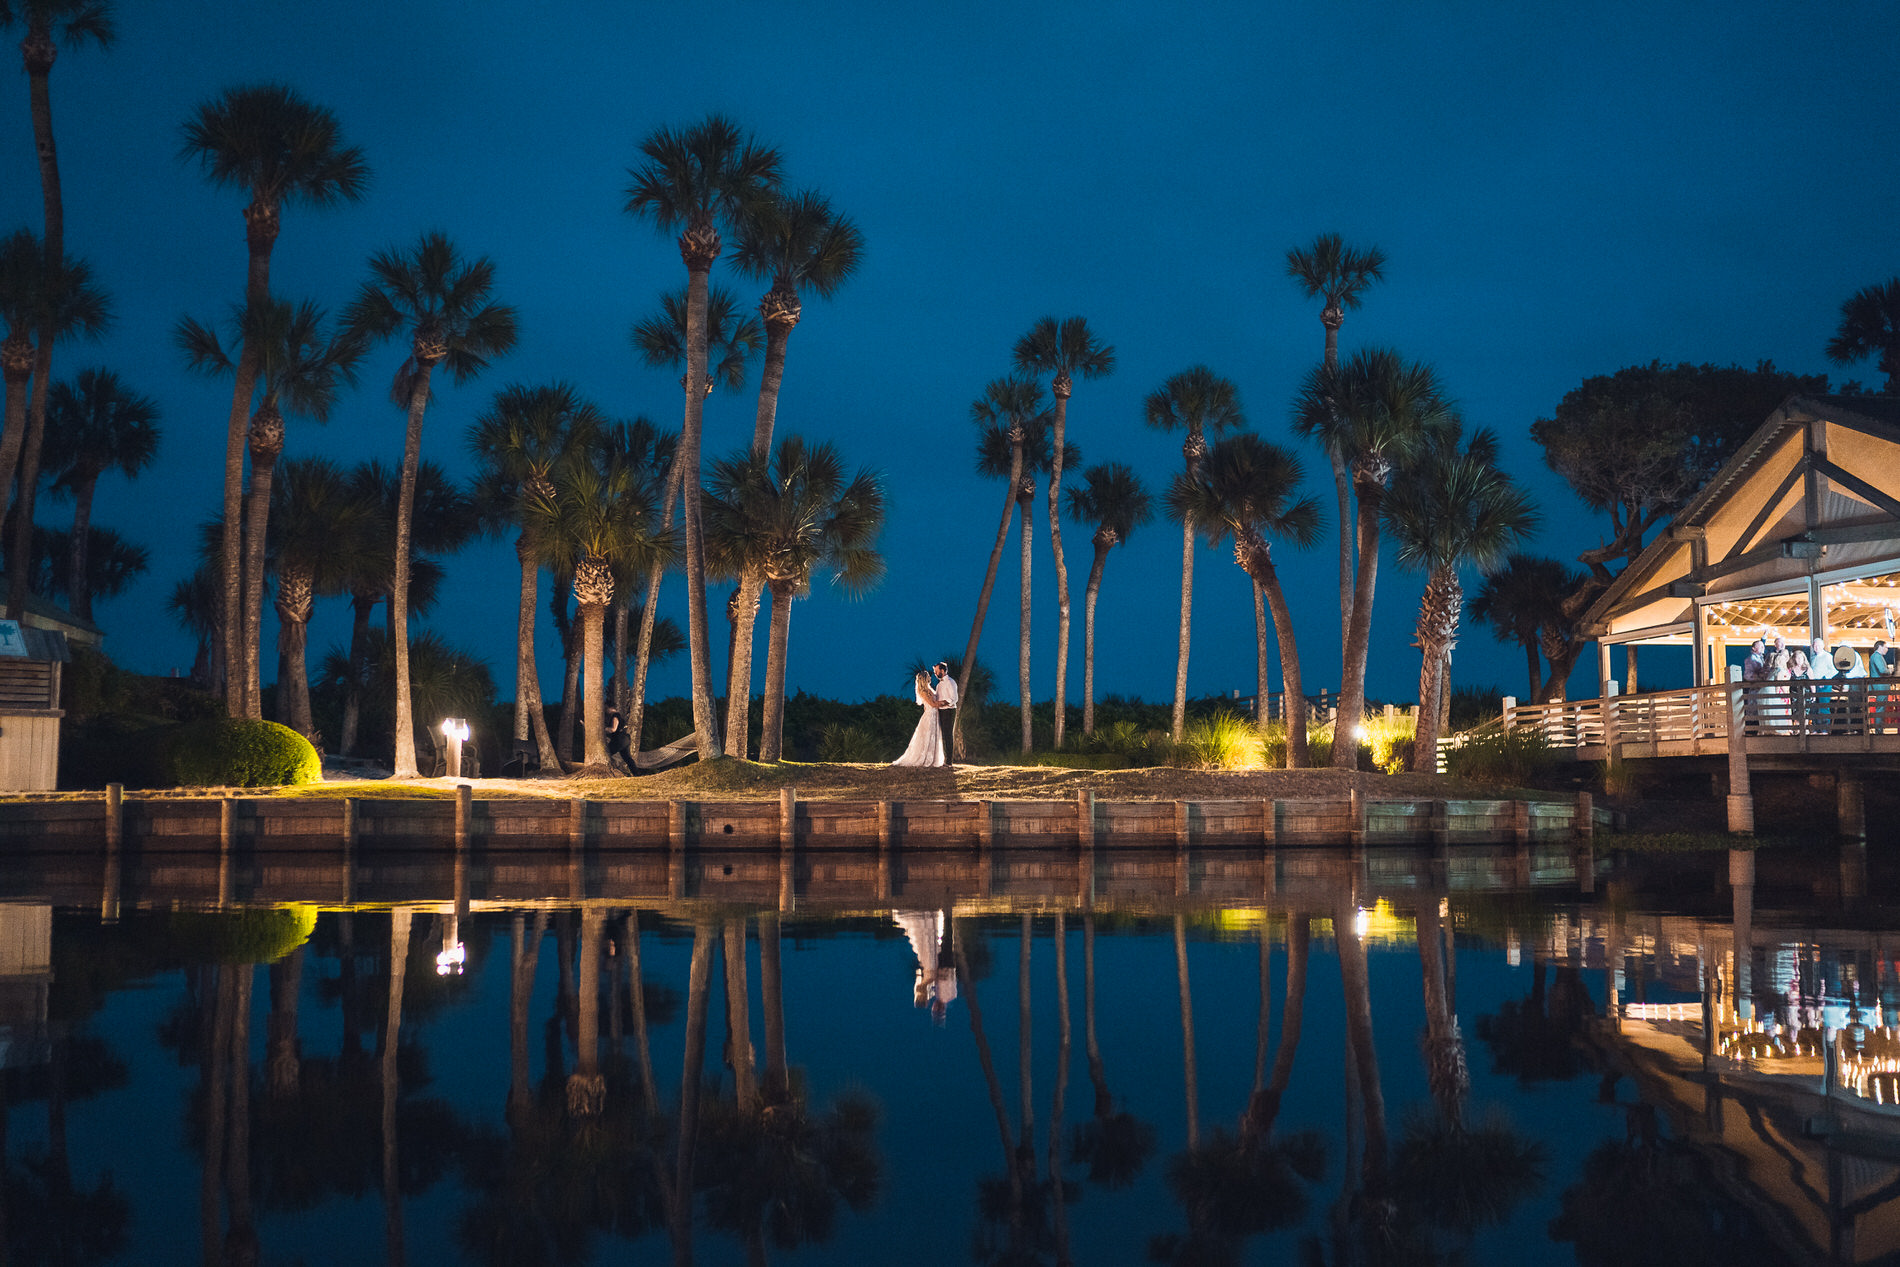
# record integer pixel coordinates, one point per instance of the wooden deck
(1837, 721)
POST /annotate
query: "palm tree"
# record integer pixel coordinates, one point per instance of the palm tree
(1113, 499)
(98, 425)
(1245, 491)
(694, 180)
(1340, 275)
(1870, 326)
(296, 370)
(1376, 410)
(517, 442)
(444, 304)
(731, 342)
(112, 563)
(55, 304)
(597, 521)
(799, 514)
(796, 242)
(1522, 601)
(1008, 415)
(1062, 349)
(315, 525)
(1197, 401)
(1452, 508)
(280, 148)
(647, 454)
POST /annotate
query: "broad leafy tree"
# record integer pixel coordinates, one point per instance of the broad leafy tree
(1452, 508)
(1247, 491)
(1870, 326)
(280, 149)
(1339, 276)
(1112, 498)
(1196, 401)
(694, 181)
(99, 425)
(444, 304)
(1376, 410)
(1064, 350)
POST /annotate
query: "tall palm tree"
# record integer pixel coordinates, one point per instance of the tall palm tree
(1008, 416)
(1376, 410)
(1339, 275)
(194, 602)
(315, 525)
(517, 443)
(279, 148)
(647, 454)
(1196, 401)
(1870, 326)
(596, 521)
(54, 304)
(1521, 601)
(1113, 499)
(1062, 349)
(797, 243)
(1452, 508)
(444, 304)
(731, 341)
(1247, 490)
(297, 370)
(693, 181)
(98, 425)
(801, 514)
(112, 563)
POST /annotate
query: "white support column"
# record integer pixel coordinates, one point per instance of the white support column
(1603, 669)
(1700, 640)
(1817, 610)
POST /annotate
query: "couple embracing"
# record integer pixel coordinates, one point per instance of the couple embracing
(926, 742)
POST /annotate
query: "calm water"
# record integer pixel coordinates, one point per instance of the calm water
(953, 1060)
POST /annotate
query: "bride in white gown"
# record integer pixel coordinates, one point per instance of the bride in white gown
(926, 742)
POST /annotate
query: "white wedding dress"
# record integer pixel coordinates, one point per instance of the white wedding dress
(926, 742)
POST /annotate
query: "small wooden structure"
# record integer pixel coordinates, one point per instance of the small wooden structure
(30, 660)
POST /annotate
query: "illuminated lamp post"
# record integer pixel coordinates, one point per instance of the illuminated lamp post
(456, 731)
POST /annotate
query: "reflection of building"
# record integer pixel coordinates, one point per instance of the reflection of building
(26, 976)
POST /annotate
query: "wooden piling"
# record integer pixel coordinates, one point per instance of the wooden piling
(464, 812)
(115, 814)
(787, 817)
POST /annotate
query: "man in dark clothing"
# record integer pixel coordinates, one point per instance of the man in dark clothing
(619, 742)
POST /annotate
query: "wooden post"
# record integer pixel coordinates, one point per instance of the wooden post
(1510, 702)
(349, 850)
(1270, 824)
(1440, 825)
(464, 810)
(1521, 822)
(1085, 820)
(576, 823)
(1583, 821)
(883, 825)
(1850, 807)
(1356, 832)
(1741, 801)
(115, 837)
(227, 833)
(1181, 827)
(115, 815)
(676, 812)
(986, 824)
(787, 817)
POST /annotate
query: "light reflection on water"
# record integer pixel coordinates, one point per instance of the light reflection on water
(954, 1058)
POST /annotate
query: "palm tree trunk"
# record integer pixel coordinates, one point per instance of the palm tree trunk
(283, 1061)
(622, 618)
(637, 708)
(1063, 1040)
(698, 982)
(1438, 612)
(1190, 1081)
(362, 607)
(405, 764)
(1025, 1033)
(772, 728)
(1292, 1014)
(777, 1087)
(240, 1240)
(593, 621)
(216, 1055)
(745, 1074)
(1262, 699)
(966, 666)
(1098, 1073)
(38, 56)
(637, 1004)
(1342, 491)
(1022, 667)
(1358, 1001)
(18, 356)
(739, 677)
(1088, 637)
(570, 679)
(527, 954)
(530, 718)
(1291, 687)
(990, 1079)
(1352, 683)
(586, 1088)
(399, 919)
(80, 582)
(705, 718)
(260, 225)
(256, 521)
(1062, 569)
(1187, 607)
(1445, 1072)
(293, 667)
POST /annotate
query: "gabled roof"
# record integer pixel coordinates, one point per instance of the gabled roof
(1778, 511)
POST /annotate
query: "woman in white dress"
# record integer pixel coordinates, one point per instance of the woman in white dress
(926, 742)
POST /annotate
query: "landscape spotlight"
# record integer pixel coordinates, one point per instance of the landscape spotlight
(455, 729)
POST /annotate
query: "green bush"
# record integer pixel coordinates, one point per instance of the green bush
(848, 743)
(1223, 741)
(1500, 757)
(236, 752)
(254, 936)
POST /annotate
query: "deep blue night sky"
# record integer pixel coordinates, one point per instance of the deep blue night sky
(1560, 193)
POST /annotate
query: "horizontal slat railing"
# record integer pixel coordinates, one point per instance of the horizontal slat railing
(1696, 721)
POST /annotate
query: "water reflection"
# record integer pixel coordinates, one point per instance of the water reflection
(721, 1059)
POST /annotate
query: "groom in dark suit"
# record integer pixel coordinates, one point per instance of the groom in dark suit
(946, 688)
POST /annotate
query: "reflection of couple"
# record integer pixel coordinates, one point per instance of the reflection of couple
(936, 984)
(926, 742)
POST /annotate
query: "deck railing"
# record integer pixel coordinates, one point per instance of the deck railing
(1846, 712)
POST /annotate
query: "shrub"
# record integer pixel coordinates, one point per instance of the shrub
(1500, 757)
(236, 752)
(1388, 744)
(254, 936)
(1223, 741)
(848, 743)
